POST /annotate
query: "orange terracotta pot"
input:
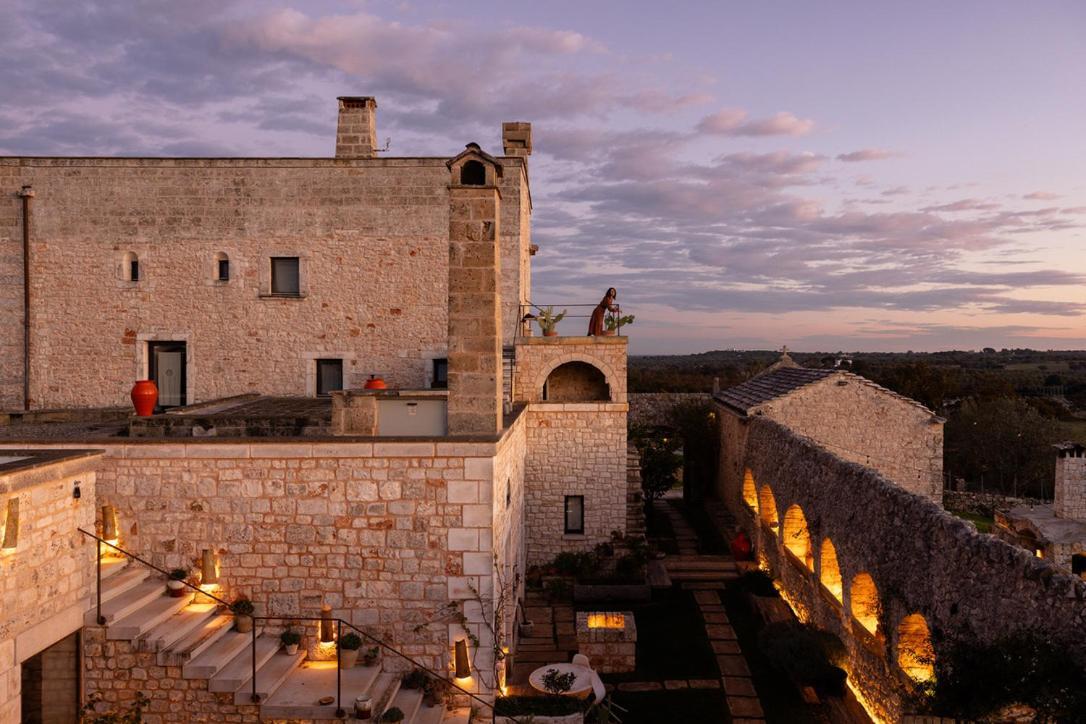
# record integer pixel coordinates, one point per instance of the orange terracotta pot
(144, 397)
(375, 383)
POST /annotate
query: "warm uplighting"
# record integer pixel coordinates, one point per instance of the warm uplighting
(915, 654)
(463, 667)
(209, 570)
(328, 629)
(110, 528)
(11, 525)
(606, 620)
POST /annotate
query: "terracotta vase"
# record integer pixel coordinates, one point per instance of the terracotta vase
(348, 658)
(741, 547)
(550, 333)
(144, 397)
(375, 383)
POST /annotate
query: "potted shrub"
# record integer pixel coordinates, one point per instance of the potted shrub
(414, 679)
(433, 692)
(370, 655)
(348, 646)
(613, 322)
(548, 320)
(242, 609)
(392, 715)
(176, 583)
(290, 640)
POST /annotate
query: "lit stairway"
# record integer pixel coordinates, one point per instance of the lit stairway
(200, 638)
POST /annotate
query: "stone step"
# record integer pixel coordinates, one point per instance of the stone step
(124, 579)
(178, 626)
(197, 641)
(143, 620)
(680, 576)
(113, 566)
(675, 565)
(429, 715)
(702, 586)
(457, 716)
(270, 676)
(386, 688)
(127, 602)
(239, 670)
(217, 655)
(296, 698)
(409, 701)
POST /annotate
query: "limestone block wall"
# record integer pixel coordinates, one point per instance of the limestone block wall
(920, 559)
(508, 523)
(371, 236)
(46, 581)
(574, 449)
(1070, 488)
(537, 357)
(866, 424)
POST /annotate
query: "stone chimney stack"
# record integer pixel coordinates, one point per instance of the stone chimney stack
(475, 341)
(1070, 497)
(517, 138)
(356, 133)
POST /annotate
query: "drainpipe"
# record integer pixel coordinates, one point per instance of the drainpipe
(26, 194)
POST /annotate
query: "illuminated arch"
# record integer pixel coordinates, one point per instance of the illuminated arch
(863, 599)
(750, 491)
(795, 536)
(767, 508)
(915, 654)
(828, 571)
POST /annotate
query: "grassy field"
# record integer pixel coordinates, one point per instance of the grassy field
(983, 522)
(1075, 430)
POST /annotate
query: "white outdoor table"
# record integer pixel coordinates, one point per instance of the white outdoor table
(582, 685)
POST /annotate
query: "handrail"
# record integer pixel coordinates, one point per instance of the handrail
(616, 310)
(254, 697)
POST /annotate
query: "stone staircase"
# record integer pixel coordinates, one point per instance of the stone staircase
(200, 639)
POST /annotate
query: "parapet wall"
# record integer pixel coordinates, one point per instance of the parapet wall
(921, 560)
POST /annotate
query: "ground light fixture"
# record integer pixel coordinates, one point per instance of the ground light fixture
(109, 524)
(209, 572)
(327, 629)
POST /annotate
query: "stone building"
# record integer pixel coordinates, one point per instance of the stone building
(1054, 531)
(261, 295)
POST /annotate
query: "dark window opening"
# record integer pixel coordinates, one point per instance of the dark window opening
(508, 491)
(224, 270)
(473, 173)
(1078, 564)
(575, 514)
(329, 375)
(441, 374)
(134, 270)
(285, 279)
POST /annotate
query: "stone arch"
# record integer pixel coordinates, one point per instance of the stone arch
(473, 173)
(767, 508)
(863, 601)
(608, 374)
(576, 381)
(915, 654)
(750, 490)
(796, 537)
(829, 573)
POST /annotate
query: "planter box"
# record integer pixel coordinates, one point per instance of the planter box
(576, 718)
(602, 592)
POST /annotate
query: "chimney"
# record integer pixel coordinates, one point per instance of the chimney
(1070, 494)
(517, 138)
(475, 342)
(356, 133)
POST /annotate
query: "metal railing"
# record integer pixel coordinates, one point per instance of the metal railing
(254, 697)
(528, 310)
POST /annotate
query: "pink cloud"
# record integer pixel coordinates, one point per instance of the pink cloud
(867, 154)
(733, 122)
(1041, 196)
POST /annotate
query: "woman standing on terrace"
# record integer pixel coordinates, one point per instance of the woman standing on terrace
(607, 304)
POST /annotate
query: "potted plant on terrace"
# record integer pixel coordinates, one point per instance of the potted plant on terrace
(290, 640)
(613, 322)
(548, 320)
(176, 582)
(392, 715)
(348, 646)
(414, 679)
(433, 692)
(243, 614)
(370, 655)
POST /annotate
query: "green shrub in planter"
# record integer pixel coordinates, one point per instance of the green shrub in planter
(538, 705)
(350, 642)
(290, 638)
(392, 715)
(415, 679)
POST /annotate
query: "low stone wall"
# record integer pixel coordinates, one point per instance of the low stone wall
(609, 644)
(652, 409)
(983, 503)
(920, 560)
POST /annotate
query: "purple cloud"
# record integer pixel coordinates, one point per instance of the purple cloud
(867, 154)
(733, 122)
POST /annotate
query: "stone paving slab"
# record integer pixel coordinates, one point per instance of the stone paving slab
(672, 684)
(711, 608)
(745, 706)
(726, 647)
(715, 617)
(739, 686)
(718, 632)
(635, 686)
(748, 721)
(733, 666)
(708, 597)
(704, 683)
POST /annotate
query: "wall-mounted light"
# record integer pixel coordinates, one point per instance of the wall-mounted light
(76, 493)
(327, 629)
(463, 666)
(209, 570)
(109, 525)
(11, 525)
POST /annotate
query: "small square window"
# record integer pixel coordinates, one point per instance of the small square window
(284, 276)
(441, 374)
(575, 514)
(224, 270)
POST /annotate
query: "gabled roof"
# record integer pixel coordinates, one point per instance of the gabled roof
(473, 149)
(769, 386)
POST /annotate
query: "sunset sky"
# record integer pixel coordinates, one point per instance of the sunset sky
(843, 175)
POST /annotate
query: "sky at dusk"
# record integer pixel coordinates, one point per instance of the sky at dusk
(843, 175)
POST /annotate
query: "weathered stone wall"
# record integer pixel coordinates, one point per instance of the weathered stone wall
(921, 559)
(537, 357)
(507, 516)
(1070, 488)
(652, 409)
(967, 501)
(864, 423)
(46, 580)
(372, 238)
(574, 449)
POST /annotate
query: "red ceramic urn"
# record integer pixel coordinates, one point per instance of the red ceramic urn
(144, 397)
(741, 547)
(375, 383)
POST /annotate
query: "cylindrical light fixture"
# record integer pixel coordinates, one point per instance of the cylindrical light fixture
(209, 572)
(463, 666)
(109, 523)
(11, 525)
(327, 629)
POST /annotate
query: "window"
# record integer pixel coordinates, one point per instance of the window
(575, 514)
(130, 267)
(222, 267)
(329, 375)
(1078, 564)
(441, 374)
(284, 276)
(508, 491)
(473, 173)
